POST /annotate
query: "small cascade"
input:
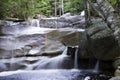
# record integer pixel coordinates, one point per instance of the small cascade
(96, 68)
(65, 51)
(76, 58)
(82, 13)
(12, 54)
(54, 62)
(11, 61)
(35, 23)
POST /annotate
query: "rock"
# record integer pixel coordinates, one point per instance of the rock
(66, 20)
(27, 43)
(68, 36)
(23, 63)
(117, 71)
(84, 47)
(115, 78)
(116, 63)
(15, 19)
(54, 23)
(73, 18)
(36, 63)
(102, 41)
(39, 16)
(65, 15)
(67, 40)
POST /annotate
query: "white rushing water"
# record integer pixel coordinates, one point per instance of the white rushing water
(40, 75)
(54, 62)
(34, 22)
(96, 68)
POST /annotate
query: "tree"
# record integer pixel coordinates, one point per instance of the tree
(24, 9)
(74, 6)
(3, 8)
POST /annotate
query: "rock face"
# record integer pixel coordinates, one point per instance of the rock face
(26, 41)
(100, 42)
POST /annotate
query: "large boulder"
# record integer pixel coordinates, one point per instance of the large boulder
(102, 44)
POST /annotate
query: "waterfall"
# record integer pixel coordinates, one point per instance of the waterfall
(65, 51)
(96, 68)
(14, 44)
(34, 23)
(76, 58)
(57, 62)
(82, 13)
(12, 60)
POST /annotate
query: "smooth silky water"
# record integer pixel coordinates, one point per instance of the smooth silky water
(76, 59)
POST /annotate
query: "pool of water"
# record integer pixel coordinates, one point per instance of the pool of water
(55, 74)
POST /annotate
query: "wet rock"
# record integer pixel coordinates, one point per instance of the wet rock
(26, 43)
(73, 38)
(36, 63)
(71, 41)
(68, 36)
(22, 63)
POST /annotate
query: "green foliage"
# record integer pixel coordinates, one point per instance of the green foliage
(43, 7)
(113, 2)
(74, 6)
(24, 9)
(3, 8)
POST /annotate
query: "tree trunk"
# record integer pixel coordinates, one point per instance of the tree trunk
(55, 8)
(95, 8)
(87, 13)
(62, 4)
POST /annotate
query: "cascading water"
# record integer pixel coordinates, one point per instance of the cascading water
(34, 23)
(8, 43)
(54, 62)
(96, 68)
(76, 58)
